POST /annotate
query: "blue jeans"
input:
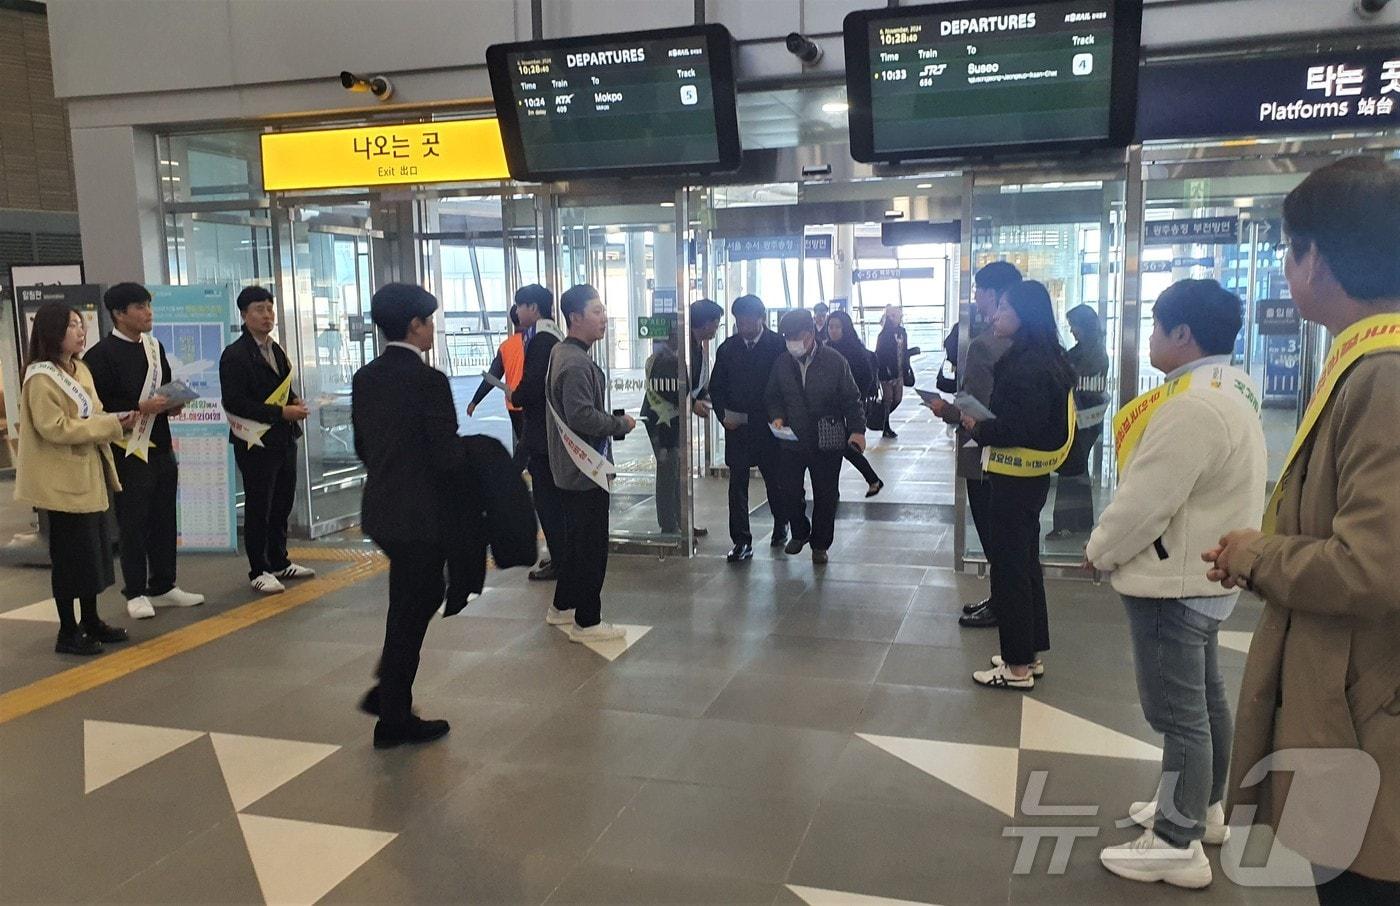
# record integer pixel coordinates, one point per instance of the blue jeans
(1183, 698)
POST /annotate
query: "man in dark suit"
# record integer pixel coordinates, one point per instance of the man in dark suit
(265, 417)
(743, 364)
(406, 435)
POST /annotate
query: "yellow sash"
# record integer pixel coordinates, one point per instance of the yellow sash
(1023, 462)
(251, 432)
(1130, 423)
(1374, 334)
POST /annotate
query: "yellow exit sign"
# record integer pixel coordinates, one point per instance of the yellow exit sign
(451, 151)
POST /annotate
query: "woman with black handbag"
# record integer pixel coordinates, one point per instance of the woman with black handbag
(814, 410)
(841, 336)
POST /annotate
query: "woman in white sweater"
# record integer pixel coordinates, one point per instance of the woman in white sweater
(1192, 463)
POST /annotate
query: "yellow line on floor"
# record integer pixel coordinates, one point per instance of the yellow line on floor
(331, 554)
(125, 661)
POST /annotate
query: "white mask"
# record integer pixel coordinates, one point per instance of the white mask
(797, 348)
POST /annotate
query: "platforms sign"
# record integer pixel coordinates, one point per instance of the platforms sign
(409, 153)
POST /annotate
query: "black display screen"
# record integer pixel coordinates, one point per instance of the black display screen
(956, 78)
(617, 105)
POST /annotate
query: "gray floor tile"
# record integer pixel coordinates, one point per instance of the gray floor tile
(710, 831)
(952, 715)
(786, 762)
(944, 668)
(212, 867)
(593, 884)
(847, 623)
(652, 688)
(537, 678)
(839, 659)
(792, 701)
(599, 741)
(419, 868)
(938, 630)
(835, 592)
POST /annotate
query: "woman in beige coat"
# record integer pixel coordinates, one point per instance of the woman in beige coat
(65, 467)
(1317, 740)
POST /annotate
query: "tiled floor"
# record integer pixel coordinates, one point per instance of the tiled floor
(779, 735)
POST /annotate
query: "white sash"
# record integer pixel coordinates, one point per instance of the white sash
(66, 382)
(139, 443)
(251, 432)
(589, 461)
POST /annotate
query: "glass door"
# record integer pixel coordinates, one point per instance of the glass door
(326, 284)
(629, 252)
(1066, 232)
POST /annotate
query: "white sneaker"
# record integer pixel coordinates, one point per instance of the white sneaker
(603, 632)
(267, 584)
(559, 617)
(177, 597)
(140, 608)
(295, 571)
(1217, 831)
(1150, 858)
(1037, 669)
(1002, 678)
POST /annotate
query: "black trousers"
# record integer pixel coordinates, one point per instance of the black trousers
(979, 501)
(416, 589)
(583, 566)
(269, 488)
(863, 466)
(1013, 549)
(146, 522)
(1352, 889)
(548, 505)
(520, 455)
(668, 487)
(797, 460)
(742, 451)
(80, 551)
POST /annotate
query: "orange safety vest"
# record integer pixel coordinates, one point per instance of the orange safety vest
(513, 360)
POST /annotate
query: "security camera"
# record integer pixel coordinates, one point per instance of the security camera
(804, 48)
(379, 86)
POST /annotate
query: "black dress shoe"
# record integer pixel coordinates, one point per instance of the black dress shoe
(795, 546)
(415, 730)
(982, 618)
(370, 703)
(818, 557)
(740, 552)
(889, 435)
(875, 488)
(546, 572)
(105, 633)
(76, 641)
(973, 608)
(778, 540)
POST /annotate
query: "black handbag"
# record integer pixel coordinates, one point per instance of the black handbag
(831, 434)
(874, 414)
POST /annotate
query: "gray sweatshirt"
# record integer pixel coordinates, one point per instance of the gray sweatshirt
(577, 391)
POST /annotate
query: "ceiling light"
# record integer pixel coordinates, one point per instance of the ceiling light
(924, 185)
(668, 204)
(835, 107)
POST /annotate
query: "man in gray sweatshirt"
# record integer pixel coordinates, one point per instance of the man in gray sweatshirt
(579, 431)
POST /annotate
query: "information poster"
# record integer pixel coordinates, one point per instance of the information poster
(192, 323)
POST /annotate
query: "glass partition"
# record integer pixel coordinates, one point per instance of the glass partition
(1066, 233)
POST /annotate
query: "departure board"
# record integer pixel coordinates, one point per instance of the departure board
(956, 78)
(617, 105)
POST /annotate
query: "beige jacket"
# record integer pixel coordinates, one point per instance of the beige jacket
(1324, 667)
(65, 462)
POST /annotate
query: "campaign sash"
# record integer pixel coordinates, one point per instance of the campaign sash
(597, 467)
(138, 444)
(1023, 462)
(1132, 420)
(1377, 333)
(251, 432)
(66, 382)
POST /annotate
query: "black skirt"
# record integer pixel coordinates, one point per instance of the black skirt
(80, 547)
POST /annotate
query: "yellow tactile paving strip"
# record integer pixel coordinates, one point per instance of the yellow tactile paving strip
(125, 661)
(331, 554)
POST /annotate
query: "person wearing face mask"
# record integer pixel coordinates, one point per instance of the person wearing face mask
(1027, 440)
(65, 467)
(743, 364)
(812, 393)
(842, 337)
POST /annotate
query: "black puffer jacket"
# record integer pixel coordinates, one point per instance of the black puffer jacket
(1029, 394)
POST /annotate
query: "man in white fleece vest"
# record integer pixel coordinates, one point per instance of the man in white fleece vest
(1192, 463)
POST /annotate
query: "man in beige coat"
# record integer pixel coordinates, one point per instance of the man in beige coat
(1324, 667)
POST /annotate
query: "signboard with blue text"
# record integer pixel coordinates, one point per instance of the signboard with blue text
(1284, 95)
(754, 248)
(1197, 230)
(192, 323)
